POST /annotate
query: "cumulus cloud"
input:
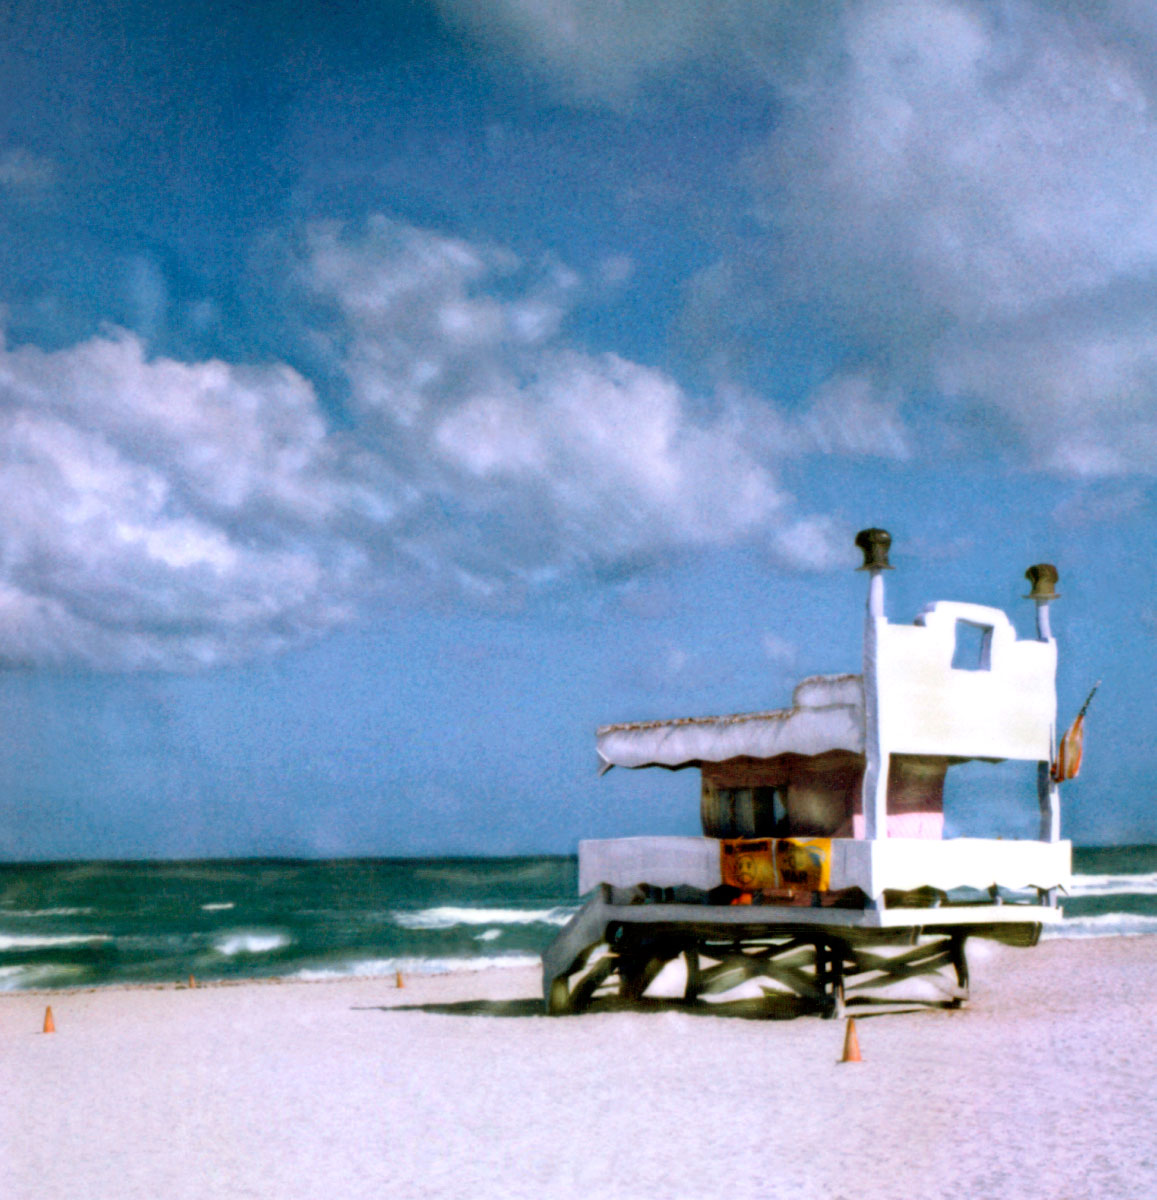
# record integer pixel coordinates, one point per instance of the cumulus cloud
(813, 543)
(954, 204)
(953, 207)
(849, 414)
(458, 373)
(957, 193)
(964, 196)
(1082, 399)
(963, 168)
(164, 514)
(604, 52)
(161, 514)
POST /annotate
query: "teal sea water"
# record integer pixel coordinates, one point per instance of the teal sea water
(93, 923)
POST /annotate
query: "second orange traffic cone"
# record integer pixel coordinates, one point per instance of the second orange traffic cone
(851, 1043)
(49, 1023)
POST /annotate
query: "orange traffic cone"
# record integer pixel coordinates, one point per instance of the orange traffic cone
(49, 1023)
(851, 1043)
(398, 982)
(192, 982)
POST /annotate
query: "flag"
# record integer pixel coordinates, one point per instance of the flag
(1068, 760)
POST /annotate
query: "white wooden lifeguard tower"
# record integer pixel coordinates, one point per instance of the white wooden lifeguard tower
(822, 869)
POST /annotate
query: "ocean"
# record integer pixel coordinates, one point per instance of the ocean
(85, 924)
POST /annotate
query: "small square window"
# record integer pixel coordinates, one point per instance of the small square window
(973, 647)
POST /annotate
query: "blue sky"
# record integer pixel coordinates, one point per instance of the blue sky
(391, 393)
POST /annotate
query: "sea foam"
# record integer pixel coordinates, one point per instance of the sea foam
(249, 942)
(1112, 924)
(16, 978)
(1114, 885)
(21, 941)
(372, 968)
(46, 912)
(446, 917)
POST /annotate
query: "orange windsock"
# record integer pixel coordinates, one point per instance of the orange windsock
(851, 1043)
(1068, 760)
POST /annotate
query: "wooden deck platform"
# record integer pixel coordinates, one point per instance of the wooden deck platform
(815, 955)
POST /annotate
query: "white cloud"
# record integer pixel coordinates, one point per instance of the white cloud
(965, 194)
(975, 168)
(815, 543)
(948, 183)
(162, 514)
(606, 53)
(602, 51)
(1083, 399)
(159, 514)
(848, 415)
(576, 457)
(959, 193)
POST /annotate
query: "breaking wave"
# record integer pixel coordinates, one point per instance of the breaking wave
(1114, 885)
(1112, 924)
(22, 941)
(250, 943)
(372, 968)
(46, 912)
(447, 917)
(15, 979)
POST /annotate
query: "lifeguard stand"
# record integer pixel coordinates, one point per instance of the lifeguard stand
(823, 823)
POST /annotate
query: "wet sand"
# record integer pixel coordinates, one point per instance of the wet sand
(455, 1086)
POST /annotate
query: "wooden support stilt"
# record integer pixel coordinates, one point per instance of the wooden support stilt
(960, 963)
(830, 978)
(585, 989)
(818, 970)
(691, 990)
(558, 1002)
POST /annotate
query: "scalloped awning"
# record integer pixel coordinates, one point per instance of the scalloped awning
(827, 713)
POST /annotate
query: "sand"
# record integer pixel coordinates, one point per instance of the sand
(454, 1086)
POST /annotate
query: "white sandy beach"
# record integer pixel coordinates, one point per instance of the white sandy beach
(1046, 1086)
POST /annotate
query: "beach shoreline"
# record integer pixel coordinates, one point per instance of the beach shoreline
(457, 1084)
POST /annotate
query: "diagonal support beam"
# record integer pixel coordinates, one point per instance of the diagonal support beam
(928, 966)
(863, 960)
(586, 987)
